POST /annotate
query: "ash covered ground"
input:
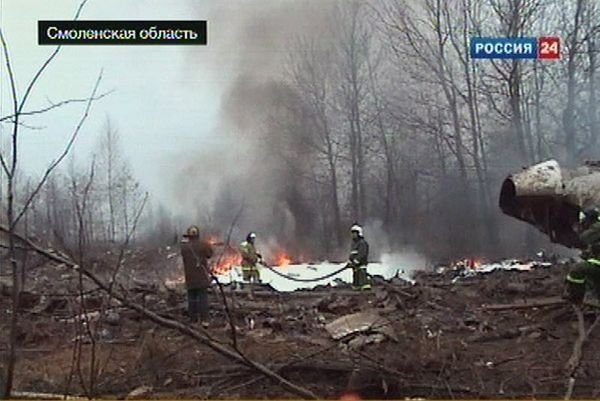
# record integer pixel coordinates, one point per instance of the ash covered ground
(444, 335)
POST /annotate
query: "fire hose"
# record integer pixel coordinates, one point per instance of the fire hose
(307, 280)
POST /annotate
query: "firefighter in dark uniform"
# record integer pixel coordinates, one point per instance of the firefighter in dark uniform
(359, 256)
(586, 274)
(195, 253)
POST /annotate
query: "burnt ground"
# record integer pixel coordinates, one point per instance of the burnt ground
(446, 342)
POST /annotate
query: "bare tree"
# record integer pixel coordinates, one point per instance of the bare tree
(9, 163)
(354, 46)
(108, 145)
(312, 78)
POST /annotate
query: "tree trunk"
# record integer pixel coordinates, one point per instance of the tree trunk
(592, 103)
(337, 221)
(354, 168)
(538, 79)
(514, 90)
(14, 321)
(569, 111)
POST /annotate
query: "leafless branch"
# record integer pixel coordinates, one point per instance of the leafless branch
(125, 243)
(55, 106)
(15, 100)
(221, 291)
(65, 152)
(45, 64)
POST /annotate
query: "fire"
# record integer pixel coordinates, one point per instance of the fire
(350, 396)
(224, 264)
(468, 263)
(283, 260)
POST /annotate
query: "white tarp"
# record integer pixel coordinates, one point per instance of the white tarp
(310, 271)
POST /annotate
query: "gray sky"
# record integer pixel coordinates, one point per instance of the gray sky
(165, 100)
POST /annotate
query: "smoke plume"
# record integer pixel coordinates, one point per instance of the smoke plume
(251, 166)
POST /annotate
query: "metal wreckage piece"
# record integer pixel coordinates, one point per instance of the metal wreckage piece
(550, 197)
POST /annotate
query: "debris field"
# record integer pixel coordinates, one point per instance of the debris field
(504, 334)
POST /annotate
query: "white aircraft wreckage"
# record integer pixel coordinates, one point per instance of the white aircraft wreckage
(550, 197)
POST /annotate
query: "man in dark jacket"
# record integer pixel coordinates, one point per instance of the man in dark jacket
(195, 254)
(359, 256)
(586, 273)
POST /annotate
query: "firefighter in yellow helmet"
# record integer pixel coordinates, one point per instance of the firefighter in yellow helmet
(195, 253)
(250, 257)
(359, 256)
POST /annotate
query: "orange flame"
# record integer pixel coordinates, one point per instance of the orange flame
(224, 264)
(469, 263)
(350, 396)
(283, 260)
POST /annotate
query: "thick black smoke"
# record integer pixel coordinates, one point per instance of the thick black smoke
(256, 166)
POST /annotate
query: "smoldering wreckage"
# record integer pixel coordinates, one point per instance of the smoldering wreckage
(470, 329)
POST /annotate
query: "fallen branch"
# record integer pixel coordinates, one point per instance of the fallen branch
(503, 335)
(392, 288)
(575, 359)
(533, 303)
(172, 324)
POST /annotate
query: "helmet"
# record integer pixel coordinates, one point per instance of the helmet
(192, 231)
(590, 215)
(251, 236)
(357, 229)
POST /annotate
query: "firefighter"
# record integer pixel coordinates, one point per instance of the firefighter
(250, 257)
(587, 272)
(195, 253)
(359, 255)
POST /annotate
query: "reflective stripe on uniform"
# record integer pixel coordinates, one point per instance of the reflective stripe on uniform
(594, 261)
(575, 280)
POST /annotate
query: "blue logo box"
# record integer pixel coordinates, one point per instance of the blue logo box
(503, 48)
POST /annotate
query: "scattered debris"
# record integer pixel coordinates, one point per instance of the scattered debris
(480, 334)
(139, 392)
(484, 268)
(362, 322)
